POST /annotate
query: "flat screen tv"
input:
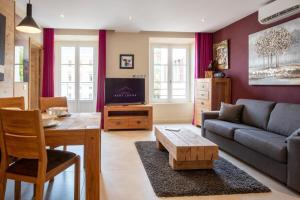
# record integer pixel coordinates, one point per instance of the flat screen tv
(124, 90)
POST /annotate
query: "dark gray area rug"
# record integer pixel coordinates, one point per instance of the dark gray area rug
(224, 178)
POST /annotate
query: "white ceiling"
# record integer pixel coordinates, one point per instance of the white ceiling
(147, 15)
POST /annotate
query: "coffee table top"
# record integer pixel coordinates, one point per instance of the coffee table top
(184, 144)
(183, 137)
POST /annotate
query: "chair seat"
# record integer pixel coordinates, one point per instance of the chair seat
(29, 167)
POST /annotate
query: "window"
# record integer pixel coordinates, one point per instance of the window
(67, 73)
(86, 73)
(75, 74)
(170, 73)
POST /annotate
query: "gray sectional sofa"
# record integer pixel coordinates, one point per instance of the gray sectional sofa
(267, 138)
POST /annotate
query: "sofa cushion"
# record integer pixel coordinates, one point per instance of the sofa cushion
(267, 143)
(230, 113)
(256, 113)
(223, 128)
(284, 119)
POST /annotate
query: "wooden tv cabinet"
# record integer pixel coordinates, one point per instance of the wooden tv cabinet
(124, 117)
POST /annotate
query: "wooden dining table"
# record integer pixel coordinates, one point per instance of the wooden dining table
(81, 129)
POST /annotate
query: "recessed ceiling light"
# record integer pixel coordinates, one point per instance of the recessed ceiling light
(62, 16)
(130, 18)
(202, 20)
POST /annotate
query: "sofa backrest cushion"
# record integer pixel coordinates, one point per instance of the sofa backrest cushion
(256, 112)
(284, 119)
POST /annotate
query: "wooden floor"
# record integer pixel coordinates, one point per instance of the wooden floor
(124, 178)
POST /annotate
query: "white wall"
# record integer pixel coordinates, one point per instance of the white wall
(138, 44)
(21, 90)
(173, 113)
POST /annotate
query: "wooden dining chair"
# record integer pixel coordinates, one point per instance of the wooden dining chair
(49, 102)
(12, 102)
(22, 136)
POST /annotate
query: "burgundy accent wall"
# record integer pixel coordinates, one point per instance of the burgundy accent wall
(237, 34)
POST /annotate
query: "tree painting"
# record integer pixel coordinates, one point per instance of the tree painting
(273, 43)
(274, 57)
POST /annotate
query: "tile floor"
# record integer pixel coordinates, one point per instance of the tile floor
(124, 178)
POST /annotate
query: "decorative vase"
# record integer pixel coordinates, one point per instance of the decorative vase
(219, 74)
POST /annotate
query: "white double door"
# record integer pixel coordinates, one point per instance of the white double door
(76, 74)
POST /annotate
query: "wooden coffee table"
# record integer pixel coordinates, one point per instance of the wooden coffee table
(187, 150)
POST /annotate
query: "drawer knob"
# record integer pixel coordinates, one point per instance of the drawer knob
(202, 103)
(138, 122)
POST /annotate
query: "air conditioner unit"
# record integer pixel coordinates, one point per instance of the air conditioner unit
(278, 10)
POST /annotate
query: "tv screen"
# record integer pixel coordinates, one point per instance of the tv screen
(124, 90)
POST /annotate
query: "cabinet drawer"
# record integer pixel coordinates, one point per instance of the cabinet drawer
(117, 124)
(201, 94)
(138, 123)
(203, 103)
(203, 86)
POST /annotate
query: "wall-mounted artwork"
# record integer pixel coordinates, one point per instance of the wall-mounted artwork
(2, 45)
(1, 73)
(2, 38)
(220, 55)
(274, 55)
(126, 61)
(1, 76)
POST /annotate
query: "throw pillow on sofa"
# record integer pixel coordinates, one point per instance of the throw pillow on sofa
(230, 113)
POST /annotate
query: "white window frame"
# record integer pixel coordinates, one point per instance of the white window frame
(57, 71)
(170, 73)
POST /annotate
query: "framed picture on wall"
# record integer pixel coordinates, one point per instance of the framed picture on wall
(274, 57)
(220, 55)
(1, 76)
(2, 38)
(126, 61)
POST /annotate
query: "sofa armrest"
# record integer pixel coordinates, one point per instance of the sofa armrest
(293, 173)
(208, 115)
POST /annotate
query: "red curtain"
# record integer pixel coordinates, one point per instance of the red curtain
(203, 54)
(101, 74)
(48, 65)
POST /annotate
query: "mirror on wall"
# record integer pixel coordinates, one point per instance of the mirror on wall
(27, 67)
(21, 64)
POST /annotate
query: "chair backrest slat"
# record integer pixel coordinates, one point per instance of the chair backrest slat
(12, 102)
(17, 146)
(48, 102)
(22, 134)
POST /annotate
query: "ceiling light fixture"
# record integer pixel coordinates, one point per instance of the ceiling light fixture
(28, 25)
(202, 20)
(130, 18)
(62, 16)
